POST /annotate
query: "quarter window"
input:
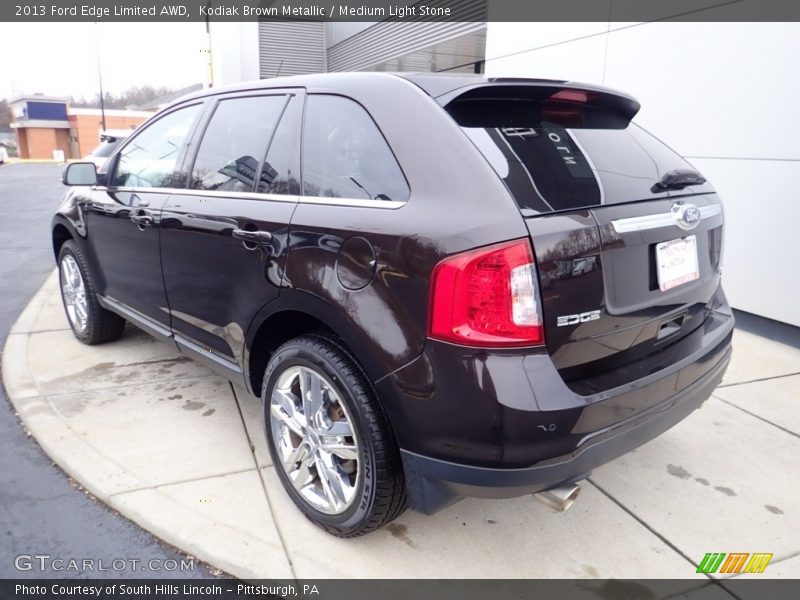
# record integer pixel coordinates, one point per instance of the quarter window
(345, 155)
(234, 143)
(149, 159)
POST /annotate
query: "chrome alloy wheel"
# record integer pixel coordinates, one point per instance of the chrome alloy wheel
(73, 290)
(315, 440)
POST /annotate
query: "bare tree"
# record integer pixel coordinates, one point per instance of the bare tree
(5, 116)
(133, 96)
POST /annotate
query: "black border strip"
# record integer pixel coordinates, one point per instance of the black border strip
(388, 589)
(401, 10)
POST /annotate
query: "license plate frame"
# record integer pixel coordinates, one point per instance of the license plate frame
(676, 262)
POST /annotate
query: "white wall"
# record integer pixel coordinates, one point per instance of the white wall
(725, 95)
(234, 52)
(339, 31)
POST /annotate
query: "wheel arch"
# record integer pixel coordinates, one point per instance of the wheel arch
(60, 234)
(294, 314)
(276, 329)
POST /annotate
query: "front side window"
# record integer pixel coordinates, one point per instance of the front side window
(149, 159)
(234, 143)
(345, 155)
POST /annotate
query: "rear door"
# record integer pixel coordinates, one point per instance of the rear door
(224, 238)
(625, 268)
(345, 230)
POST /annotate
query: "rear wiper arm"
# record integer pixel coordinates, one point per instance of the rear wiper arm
(677, 180)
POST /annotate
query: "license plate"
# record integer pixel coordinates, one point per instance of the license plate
(676, 262)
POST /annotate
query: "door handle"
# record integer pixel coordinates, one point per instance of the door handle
(143, 219)
(254, 237)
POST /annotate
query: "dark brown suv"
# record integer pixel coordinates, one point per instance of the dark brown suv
(439, 286)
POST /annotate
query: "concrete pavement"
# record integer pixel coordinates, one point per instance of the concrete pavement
(181, 452)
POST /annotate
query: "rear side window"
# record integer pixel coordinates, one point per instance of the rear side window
(149, 159)
(280, 171)
(234, 143)
(550, 166)
(345, 155)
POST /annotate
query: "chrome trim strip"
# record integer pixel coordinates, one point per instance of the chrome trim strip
(205, 193)
(712, 210)
(358, 202)
(236, 195)
(142, 321)
(208, 355)
(646, 222)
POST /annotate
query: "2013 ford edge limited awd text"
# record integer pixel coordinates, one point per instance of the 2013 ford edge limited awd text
(439, 286)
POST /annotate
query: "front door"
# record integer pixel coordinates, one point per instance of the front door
(123, 218)
(224, 240)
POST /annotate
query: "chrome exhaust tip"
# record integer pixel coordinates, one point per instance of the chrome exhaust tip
(560, 498)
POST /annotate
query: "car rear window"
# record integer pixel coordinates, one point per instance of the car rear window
(106, 147)
(553, 166)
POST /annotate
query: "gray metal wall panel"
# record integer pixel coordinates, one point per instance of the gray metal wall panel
(300, 45)
(388, 40)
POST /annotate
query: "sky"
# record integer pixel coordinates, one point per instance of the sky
(60, 59)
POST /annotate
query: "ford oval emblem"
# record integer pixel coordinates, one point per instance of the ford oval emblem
(687, 215)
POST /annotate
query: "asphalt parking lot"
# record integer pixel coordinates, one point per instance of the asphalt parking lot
(43, 512)
(180, 451)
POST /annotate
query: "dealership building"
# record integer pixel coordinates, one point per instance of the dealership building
(45, 125)
(721, 94)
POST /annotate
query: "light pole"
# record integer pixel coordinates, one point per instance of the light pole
(100, 79)
(209, 66)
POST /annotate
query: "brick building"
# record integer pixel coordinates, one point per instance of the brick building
(86, 123)
(44, 124)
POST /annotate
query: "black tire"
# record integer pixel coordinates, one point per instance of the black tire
(101, 325)
(380, 495)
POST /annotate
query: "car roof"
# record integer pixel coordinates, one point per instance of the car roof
(434, 84)
(315, 81)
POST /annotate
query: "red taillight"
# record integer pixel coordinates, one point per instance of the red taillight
(567, 95)
(566, 107)
(487, 297)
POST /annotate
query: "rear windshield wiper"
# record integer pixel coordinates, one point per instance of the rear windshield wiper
(677, 180)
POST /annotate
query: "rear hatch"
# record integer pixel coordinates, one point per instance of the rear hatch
(627, 236)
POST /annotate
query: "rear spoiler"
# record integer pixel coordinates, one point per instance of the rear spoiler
(521, 103)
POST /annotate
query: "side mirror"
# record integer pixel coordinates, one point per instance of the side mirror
(80, 173)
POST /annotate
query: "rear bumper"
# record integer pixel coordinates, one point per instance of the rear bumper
(435, 482)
